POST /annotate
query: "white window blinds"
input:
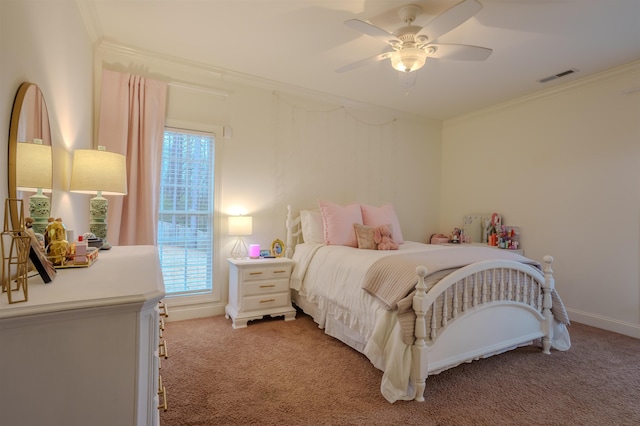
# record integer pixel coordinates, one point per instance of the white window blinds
(185, 225)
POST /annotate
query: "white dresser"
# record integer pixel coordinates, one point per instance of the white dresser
(83, 350)
(259, 287)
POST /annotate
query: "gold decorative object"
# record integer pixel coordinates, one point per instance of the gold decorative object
(15, 258)
(55, 240)
(16, 244)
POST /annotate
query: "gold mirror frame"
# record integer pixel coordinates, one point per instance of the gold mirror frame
(25, 127)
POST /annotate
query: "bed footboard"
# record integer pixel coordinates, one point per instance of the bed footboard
(482, 309)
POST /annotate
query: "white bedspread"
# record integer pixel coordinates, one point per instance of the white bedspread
(334, 281)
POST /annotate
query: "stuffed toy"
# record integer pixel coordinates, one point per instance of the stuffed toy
(382, 237)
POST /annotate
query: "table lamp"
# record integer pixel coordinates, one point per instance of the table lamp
(240, 226)
(34, 174)
(102, 173)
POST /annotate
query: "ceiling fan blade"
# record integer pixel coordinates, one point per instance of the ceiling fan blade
(450, 19)
(363, 62)
(372, 31)
(459, 52)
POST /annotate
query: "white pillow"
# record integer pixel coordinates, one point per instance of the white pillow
(338, 223)
(312, 227)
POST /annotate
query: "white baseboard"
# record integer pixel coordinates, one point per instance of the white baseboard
(610, 324)
(193, 311)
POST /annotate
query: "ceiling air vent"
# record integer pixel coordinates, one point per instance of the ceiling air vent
(560, 74)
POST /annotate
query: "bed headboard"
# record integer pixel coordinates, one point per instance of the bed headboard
(294, 232)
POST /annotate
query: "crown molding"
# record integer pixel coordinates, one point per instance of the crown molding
(632, 67)
(206, 72)
(89, 16)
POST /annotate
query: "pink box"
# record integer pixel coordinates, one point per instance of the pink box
(439, 240)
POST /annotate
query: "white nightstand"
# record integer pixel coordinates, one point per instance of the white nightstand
(259, 287)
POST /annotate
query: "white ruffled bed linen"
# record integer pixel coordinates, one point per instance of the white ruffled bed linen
(341, 297)
(333, 283)
(341, 286)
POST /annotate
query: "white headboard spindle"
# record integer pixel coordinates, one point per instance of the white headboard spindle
(294, 230)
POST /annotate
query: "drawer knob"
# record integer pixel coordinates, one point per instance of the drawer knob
(268, 301)
(267, 285)
(164, 310)
(162, 393)
(255, 273)
(162, 350)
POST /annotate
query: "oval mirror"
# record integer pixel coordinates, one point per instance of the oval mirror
(30, 162)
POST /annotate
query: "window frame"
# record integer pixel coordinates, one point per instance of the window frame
(219, 282)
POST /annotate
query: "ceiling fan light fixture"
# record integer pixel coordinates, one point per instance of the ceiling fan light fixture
(408, 59)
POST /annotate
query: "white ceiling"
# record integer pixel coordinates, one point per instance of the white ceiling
(301, 42)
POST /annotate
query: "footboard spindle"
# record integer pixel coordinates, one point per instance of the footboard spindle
(549, 286)
(419, 363)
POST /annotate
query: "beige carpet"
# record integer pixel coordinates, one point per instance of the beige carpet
(291, 373)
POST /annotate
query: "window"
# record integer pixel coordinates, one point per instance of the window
(185, 223)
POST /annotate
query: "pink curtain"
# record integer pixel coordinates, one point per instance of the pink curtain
(132, 120)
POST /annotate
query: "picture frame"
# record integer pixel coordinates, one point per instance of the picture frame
(277, 248)
(39, 259)
(474, 227)
(265, 253)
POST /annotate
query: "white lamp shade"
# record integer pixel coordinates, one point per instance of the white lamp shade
(95, 170)
(408, 59)
(33, 167)
(240, 225)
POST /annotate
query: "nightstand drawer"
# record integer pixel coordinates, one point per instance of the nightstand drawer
(266, 301)
(266, 272)
(265, 286)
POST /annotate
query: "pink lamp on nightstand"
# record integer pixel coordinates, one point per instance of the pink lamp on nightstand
(254, 251)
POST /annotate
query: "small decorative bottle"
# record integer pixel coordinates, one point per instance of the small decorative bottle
(81, 251)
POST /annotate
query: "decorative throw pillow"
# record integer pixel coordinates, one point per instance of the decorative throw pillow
(312, 227)
(338, 223)
(384, 215)
(365, 237)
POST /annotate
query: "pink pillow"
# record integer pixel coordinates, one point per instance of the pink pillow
(383, 215)
(338, 223)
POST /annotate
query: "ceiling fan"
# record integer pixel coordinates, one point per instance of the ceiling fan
(411, 45)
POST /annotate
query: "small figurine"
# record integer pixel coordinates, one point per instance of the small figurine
(496, 222)
(456, 236)
(486, 230)
(56, 244)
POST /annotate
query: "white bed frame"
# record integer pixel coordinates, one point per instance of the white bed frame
(485, 319)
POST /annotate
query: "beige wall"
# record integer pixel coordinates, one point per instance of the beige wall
(46, 43)
(565, 166)
(290, 147)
